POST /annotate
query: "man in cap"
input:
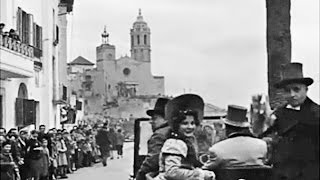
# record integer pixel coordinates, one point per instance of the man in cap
(241, 148)
(160, 129)
(295, 132)
(42, 132)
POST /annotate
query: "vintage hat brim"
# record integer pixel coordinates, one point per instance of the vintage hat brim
(306, 81)
(152, 112)
(236, 124)
(184, 102)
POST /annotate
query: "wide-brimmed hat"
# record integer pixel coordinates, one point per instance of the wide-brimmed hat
(186, 104)
(158, 107)
(292, 73)
(237, 116)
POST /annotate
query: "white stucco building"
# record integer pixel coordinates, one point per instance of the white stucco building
(33, 84)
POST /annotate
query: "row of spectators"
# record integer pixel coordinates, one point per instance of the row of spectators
(42, 155)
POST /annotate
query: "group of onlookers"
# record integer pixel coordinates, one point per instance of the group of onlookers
(11, 34)
(52, 154)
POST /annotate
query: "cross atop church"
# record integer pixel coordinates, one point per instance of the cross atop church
(105, 36)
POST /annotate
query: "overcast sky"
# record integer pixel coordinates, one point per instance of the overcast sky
(215, 48)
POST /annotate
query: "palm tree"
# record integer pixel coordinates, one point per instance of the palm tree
(278, 45)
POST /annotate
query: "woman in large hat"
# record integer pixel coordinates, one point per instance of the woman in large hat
(178, 157)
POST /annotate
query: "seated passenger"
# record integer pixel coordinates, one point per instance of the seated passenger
(179, 157)
(240, 149)
(160, 128)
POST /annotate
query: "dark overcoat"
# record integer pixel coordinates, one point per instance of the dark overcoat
(155, 143)
(102, 139)
(295, 145)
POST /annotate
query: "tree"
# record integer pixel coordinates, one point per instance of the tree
(278, 45)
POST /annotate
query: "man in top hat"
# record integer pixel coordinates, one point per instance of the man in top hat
(160, 129)
(241, 148)
(295, 132)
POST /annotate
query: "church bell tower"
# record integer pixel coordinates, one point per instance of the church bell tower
(140, 40)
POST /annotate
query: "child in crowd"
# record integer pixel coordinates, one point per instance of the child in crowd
(87, 153)
(9, 169)
(62, 157)
(45, 156)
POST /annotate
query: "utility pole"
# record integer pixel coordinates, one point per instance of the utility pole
(278, 45)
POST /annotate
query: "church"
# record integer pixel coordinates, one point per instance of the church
(118, 87)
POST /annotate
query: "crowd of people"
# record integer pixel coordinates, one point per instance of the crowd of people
(289, 148)
(52, 154)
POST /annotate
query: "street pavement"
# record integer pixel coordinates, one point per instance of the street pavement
(117, 169)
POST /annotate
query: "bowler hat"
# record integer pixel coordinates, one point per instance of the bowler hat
(292, 73)
(186, 104)
(237, 116)
(158, 107)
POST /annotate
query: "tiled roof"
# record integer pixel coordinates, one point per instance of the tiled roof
(212, 110)
(81, 61)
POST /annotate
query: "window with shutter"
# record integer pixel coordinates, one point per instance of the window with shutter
(19, 22)
(25, 112)
(40, 37)
(30, 29)
(79, 105)
(19, 112)
(64, 93)
(29, 32)
(24, 36)
(29, 112)
(37, 40)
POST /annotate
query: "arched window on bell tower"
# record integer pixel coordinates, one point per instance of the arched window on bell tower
(138, 39)
(145, 39)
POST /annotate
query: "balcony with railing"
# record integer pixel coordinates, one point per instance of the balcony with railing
(16, 58)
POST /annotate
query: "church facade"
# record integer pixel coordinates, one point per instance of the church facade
(118, 87)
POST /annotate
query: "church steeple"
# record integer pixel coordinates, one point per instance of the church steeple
(106, 51)
(140, 40)
(105, 36)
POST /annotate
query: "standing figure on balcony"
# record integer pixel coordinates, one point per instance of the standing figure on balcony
(294, 136)
(2, 25)
(14, 35)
